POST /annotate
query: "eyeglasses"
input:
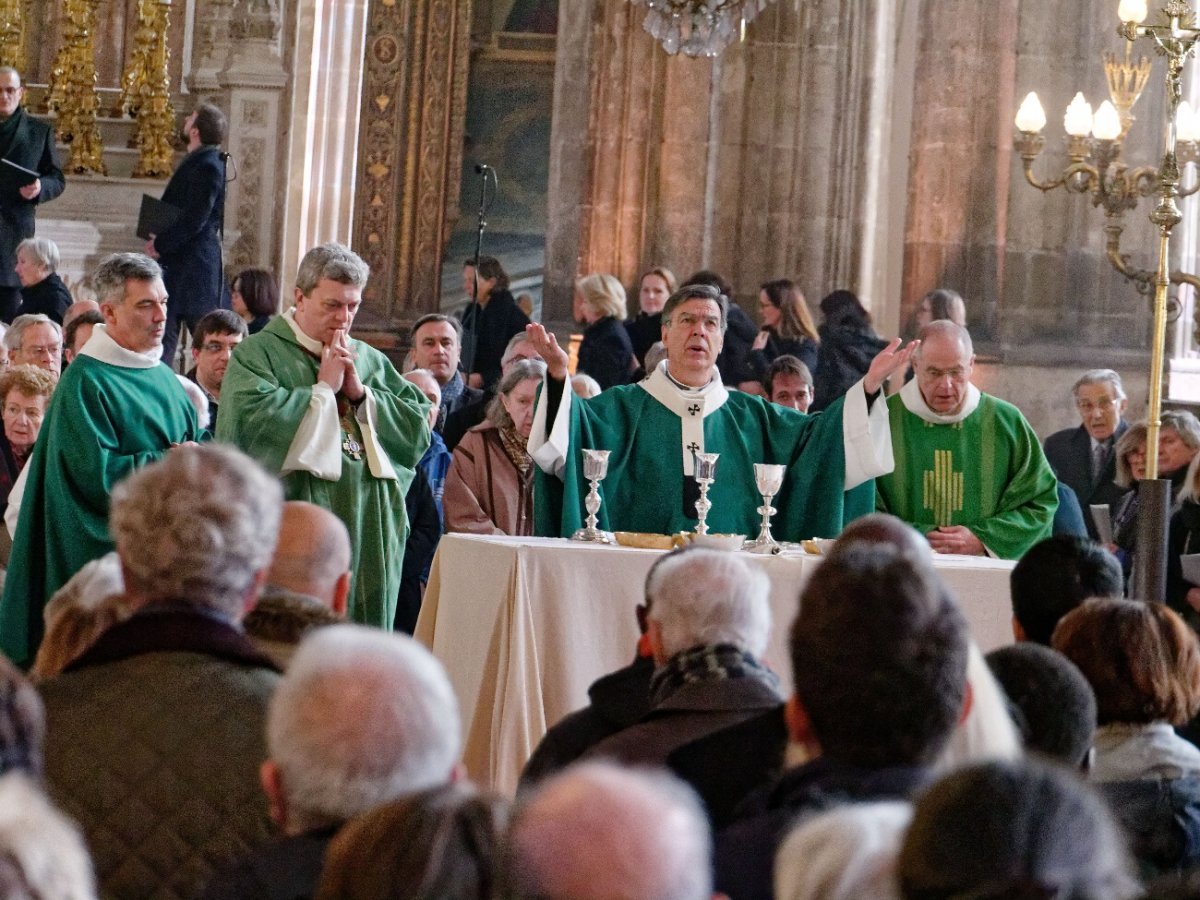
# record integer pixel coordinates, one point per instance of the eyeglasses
(1104, 403)
(51, 350)
(11, 91)
(214, 347)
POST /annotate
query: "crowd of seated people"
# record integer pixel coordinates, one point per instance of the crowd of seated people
(202, 718)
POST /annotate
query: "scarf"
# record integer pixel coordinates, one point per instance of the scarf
(708, 662)
(514, 448)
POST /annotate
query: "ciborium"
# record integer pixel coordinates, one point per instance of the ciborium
(768, 479)
(705, 474)
(595, 467)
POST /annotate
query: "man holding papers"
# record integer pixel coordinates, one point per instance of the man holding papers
(30, 174)
(190, 248)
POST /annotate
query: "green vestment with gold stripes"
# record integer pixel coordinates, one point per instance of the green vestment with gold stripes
(986, 472)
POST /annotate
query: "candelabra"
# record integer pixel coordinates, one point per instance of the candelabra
(12, 34)
(699, 27)
(73, 93)
(146, 93)
(1094, 144)
(1173, 37)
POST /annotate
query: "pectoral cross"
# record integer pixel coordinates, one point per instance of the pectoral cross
(693, 409)
(942, 488)
(694, 447)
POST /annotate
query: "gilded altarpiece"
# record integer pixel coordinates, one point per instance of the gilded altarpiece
(413, 109)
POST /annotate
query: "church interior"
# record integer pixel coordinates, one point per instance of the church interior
(859, 144)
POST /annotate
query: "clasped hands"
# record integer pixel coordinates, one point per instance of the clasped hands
(337, 368)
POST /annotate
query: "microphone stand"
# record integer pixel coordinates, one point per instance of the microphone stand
(484, 171)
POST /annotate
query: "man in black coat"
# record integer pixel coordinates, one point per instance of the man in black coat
(30, 144)
(190, 249)
(1084, 458)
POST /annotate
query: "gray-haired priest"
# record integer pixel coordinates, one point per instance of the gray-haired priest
(653, 429)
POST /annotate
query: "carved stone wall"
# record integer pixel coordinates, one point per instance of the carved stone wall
(413, 108)
(1030, 265)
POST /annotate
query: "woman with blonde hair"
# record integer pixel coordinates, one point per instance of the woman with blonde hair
(606, 353)
(654, 287)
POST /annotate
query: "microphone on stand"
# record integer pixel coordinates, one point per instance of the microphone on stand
(480, 168)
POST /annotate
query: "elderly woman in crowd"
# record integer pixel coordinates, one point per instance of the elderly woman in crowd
(1178, 443)
(787, 329)
(489, 489)
(254, 295)
(42, 291)
(654, 287)
(25, 392)
(606, 353)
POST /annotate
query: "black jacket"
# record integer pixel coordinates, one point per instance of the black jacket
(49, 297)
(190, 250)
(33, 148)
(606, 353)
(804, 349)
(744, 853)
(1069, 453)
(619, 699)
(739, 335)
(486, 332)
(845, 355)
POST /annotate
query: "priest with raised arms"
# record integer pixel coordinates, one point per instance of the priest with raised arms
(654, 428)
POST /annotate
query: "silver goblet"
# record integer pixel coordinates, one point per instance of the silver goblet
(705, 475)
(768, 479)
(595, 467)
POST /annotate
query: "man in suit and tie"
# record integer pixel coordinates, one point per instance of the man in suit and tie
(190, 249)
(1083, 457)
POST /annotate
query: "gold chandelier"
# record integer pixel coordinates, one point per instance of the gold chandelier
(699, 27)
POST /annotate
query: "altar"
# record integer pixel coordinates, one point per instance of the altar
(525, 625)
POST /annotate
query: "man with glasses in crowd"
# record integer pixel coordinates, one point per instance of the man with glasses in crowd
(970, 474)
(1083, 457)
(35, 340)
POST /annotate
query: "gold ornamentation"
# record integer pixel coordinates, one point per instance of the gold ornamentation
(146, 93)
(12, 34)
(73, 92)
(942, 489)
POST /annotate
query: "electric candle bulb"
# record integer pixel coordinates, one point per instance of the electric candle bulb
(1078, 120)
(1132, 11)
(1106, 124)
(1031, 116)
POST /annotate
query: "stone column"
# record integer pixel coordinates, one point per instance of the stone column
(413, 113)
(254, 82)
(1030, 265)
(323, 153)
(765, 162)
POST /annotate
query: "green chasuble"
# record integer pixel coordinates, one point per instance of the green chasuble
(986, 471)
(272, 409)
(112, 412)
(649, 443)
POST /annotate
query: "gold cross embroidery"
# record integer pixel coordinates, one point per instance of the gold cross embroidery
(943, 488)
